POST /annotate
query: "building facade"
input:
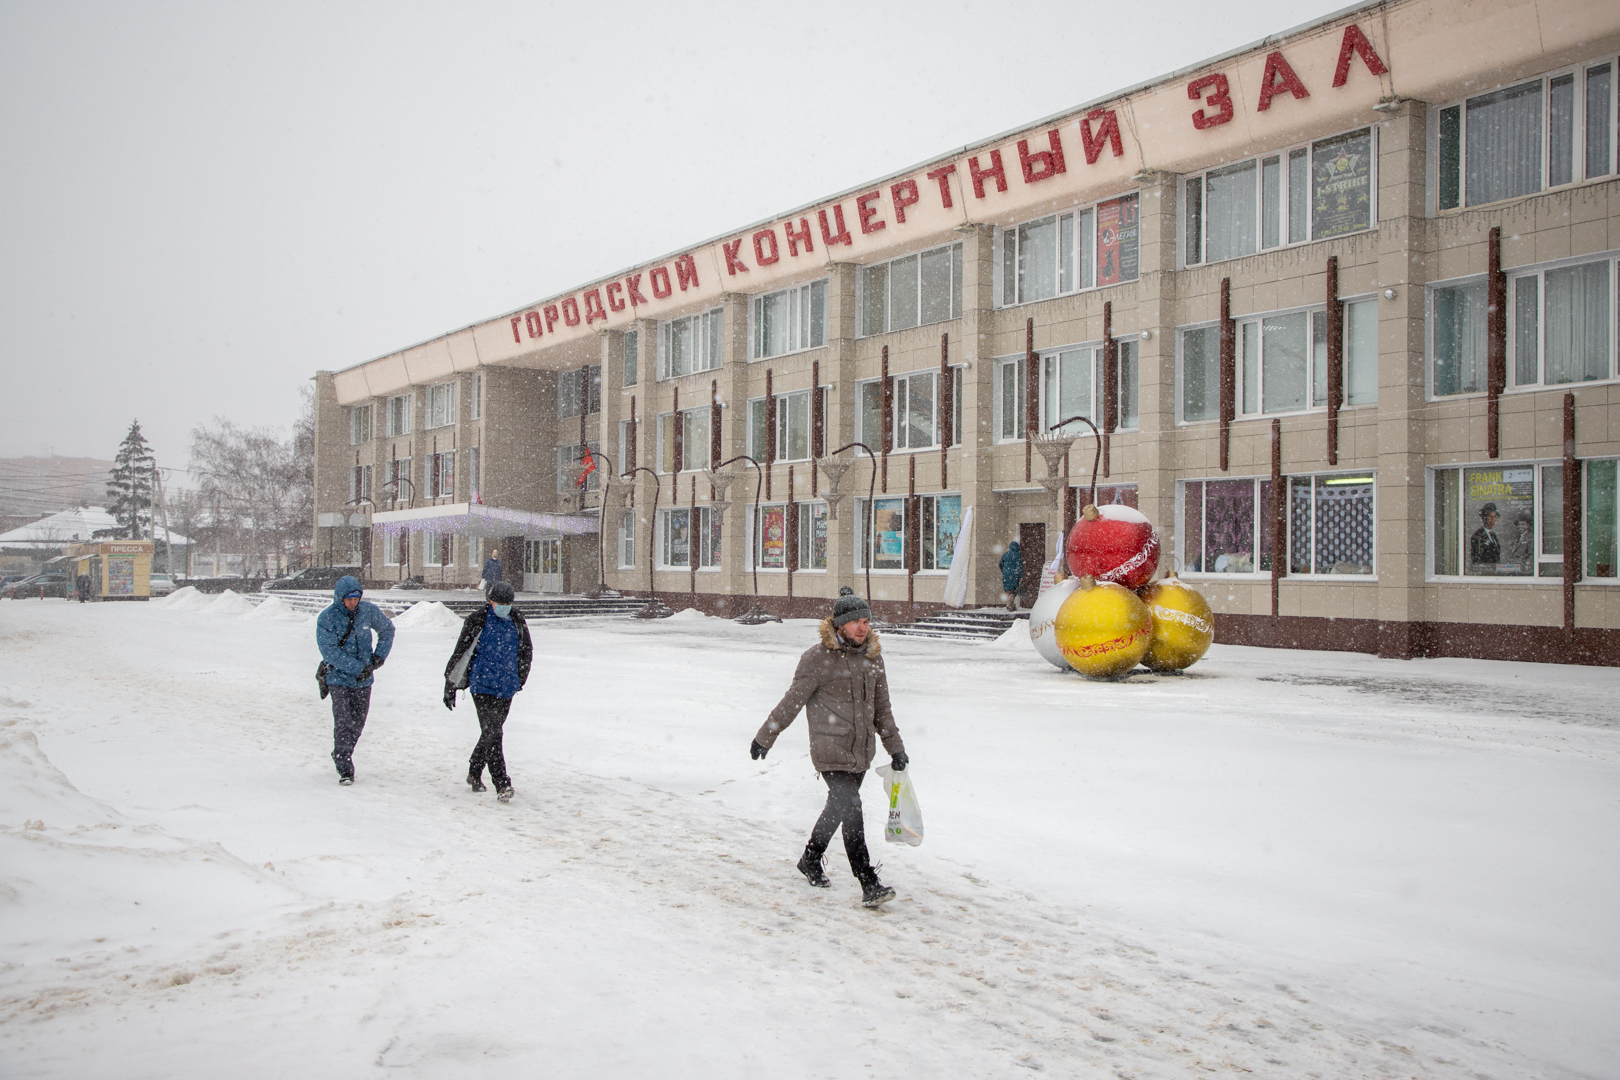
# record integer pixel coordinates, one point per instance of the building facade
(1341, 308)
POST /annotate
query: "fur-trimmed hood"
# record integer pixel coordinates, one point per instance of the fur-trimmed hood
(831, 641)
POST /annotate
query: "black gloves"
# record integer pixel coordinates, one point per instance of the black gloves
(365, 673)
(449, 695)
(756, 751)
(900, 761)
(377, 662)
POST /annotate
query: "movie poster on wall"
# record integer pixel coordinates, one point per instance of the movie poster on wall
(1341, 185)
(1118, 226)
(1499, 518)
(949, 525)
(891, 538)
(773, 537)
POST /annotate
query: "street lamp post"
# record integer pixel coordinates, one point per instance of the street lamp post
(654, 609)
(757, 614)
(577, 470)
(405, 557)
(835, 472)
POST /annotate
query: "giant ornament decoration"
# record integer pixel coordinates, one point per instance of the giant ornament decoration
(1183, 625)
(1102, 629)
(1115, 544)
(1043, 621)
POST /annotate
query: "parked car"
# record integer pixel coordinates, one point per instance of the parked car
(315, 577)
(7, 579)
(162, 584)
(49, 584)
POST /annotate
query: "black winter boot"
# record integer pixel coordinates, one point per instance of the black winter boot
(810, 866)
(475, 781)
(874, 892)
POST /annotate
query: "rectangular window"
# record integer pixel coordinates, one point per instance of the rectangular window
(1361, 352)
(916, 411)
(1314, 191)
(790, 320)
(399, 415)
(1330, 524)
(1226, 526)
(434, 550)
(1493, 522)
(441, 405)
(941, 523)
(475, 395)
(882, 533)
(1521, 139)
(360, 484)
(627, 539)
(474, 483)
(695, 448)
(1200, 374)
(390, 546)
(359, 425)
(1067, 378)
(770, 537)
(688, 533)
(1457, 342)
(1284, 362)
(1074, 250)
(691, 344)
(812, 535)
(1130, 384)
(567, 483)
(440, 475)
(1602, 526)
(915, 290)
(792, 427)
(471, 546)
(631, 356)
(1561, 328)
(1010, 398)
(580, 389)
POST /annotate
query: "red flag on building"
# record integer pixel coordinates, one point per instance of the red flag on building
(590, 467)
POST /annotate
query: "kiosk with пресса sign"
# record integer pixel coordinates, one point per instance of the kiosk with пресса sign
(117, 569)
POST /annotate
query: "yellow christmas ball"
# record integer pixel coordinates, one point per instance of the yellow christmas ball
(1183, 625)
(1103, 630)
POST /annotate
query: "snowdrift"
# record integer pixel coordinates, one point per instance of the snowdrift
(427, 614)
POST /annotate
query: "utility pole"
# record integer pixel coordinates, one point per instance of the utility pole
(163, 515)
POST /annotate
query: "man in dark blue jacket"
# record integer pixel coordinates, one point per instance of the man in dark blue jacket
(492, 659)
(344, 633)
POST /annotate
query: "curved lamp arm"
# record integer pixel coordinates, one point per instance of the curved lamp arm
(1096, 459)
(871, 487)
(759, 476)
(652, 523)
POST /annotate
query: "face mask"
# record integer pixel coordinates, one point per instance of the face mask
(503, 611)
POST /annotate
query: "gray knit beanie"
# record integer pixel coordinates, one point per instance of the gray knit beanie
(849, 607)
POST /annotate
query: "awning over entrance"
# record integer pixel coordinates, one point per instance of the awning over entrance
(476, 519)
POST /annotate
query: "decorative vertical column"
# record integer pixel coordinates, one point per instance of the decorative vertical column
(947, 408)
(888, 421)
(770, 428)
(790, 542)
(714, 424)
(1110, 382)
(630, 460)
(1574, 543)
(818, 425)
(1228, 372)
(1031, 397)
(1495, 341)
(1335, 359)
(1279, 517)
(913, 530)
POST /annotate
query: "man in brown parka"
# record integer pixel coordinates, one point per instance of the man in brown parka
(844, 690)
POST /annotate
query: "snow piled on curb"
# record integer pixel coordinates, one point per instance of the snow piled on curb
(1015, 636)
(429, 614)
(274, 607)
(230, 603)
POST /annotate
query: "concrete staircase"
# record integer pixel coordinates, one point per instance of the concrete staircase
(978, 624)
(533, 607)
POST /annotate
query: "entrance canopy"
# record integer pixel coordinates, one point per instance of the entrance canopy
(475, 519)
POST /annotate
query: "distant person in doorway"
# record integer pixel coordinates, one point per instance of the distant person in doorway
(491, 659)
(344, 632)
(1012, 572)
(83, 583)
(492, 572)
(1485, 546)
(844, 691)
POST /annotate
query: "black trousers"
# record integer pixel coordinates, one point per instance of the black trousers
(489, 751)
(843, 808)
(349, 707)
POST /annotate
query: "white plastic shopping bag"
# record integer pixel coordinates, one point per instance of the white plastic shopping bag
(905, 815)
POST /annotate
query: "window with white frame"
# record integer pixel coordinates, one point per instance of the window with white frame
(789, 320)
(695, 440)
(632, 356)
(914, 290)
(1601, 511)
(359, 425)
(396, 478)
(360, 484)
(390, 546)
(624, 462)
(1010, 399)
(792, 426)
(1561, 325)
(882, 532)
(687, 534)
(916, 411)
(690, 344)
(1314, 191)
(1072, 383)
(474, 490)
(1225, 526)
(768, 542)
(1496, 520)
(812, 524)
(1069, 252)
(437, 550)
(1457, 341)
(940, 523)
(1517, 140)
(627, 539)
(1331, 524)
(471, 545)
(399, 415)
(579, 389)
(440, 475)
(475, 395)
(571, 455)
(1281, 363)
(441, 405)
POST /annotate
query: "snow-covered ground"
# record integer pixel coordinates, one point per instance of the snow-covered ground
(1291, 864)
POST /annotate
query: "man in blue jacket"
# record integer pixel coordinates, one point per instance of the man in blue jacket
(344, 634)
(492, 659)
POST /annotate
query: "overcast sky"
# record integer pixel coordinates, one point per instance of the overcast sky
(203, 204)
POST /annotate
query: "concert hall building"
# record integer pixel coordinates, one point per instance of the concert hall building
(1341, 307)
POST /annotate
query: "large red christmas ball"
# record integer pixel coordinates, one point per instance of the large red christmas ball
(1114, 543)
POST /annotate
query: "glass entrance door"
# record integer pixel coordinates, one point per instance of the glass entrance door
(542, 565)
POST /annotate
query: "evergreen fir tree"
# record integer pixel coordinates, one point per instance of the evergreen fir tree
(129, 485)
